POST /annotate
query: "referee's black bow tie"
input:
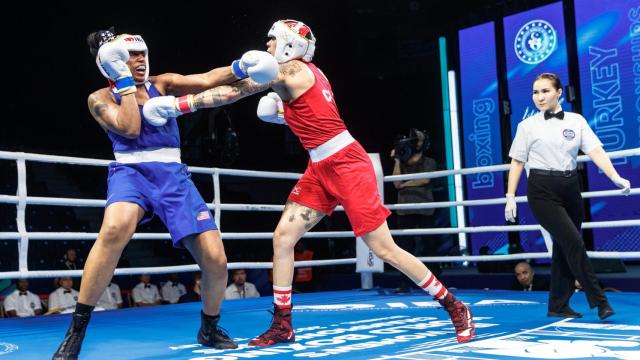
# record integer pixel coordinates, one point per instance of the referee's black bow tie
(548, 115)
(23, 293)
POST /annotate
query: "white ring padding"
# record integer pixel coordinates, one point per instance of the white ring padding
(492, 168)
(170, 269)
(23, 245)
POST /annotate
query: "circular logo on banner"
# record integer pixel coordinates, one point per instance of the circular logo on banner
(569, 134)
(535, 41)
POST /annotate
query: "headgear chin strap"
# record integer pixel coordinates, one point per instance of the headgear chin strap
(294, 40)
(131, 43)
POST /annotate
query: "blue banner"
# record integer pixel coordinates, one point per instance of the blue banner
(535, 43)
(608, 37)
(481, 130)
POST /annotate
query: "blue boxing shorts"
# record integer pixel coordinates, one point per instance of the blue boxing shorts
(163, 189)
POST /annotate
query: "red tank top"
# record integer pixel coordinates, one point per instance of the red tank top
(313, 116)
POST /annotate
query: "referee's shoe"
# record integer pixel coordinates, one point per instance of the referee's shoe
(605, 310)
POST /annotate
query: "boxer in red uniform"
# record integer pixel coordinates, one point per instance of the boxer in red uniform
(339, 172)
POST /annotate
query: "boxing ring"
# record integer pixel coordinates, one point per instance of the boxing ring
(365, 323)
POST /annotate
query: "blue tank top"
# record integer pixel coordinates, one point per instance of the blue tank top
(151, 137)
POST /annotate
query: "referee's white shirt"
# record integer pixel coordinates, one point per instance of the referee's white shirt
(24, 305)
(65, 299)
(148, 294)
(553, 144)
(111, 297)
(172, 292)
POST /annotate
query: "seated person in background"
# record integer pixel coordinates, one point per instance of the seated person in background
(111, 298)
(63, 299)
(197, 277)
(303, 276)
(193, 293)
(70, 260)
(527, 279)
(172, 290)
(22, 302)
(240, 288)
(146, 293)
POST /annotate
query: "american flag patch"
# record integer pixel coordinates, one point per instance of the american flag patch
(203, 215)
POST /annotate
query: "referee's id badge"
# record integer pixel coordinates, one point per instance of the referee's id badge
(568, 134)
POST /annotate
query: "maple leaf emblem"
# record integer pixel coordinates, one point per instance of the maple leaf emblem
(283, 299)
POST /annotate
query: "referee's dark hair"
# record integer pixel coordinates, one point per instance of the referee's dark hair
(555, 80)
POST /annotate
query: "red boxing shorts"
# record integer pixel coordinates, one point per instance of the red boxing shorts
(345, 178)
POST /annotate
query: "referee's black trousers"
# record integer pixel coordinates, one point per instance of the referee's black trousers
(556, 203)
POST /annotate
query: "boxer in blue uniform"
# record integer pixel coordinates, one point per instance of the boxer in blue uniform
(148, 178)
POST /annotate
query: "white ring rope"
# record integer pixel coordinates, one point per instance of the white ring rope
(492, 168)
(321, 234)
(23, 236)
(37, 200)
(170, 269)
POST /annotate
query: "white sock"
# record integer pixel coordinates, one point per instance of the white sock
(282, 296)
(433, 286)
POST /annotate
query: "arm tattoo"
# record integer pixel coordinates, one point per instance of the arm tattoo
(248, 87)
(227, 94)
(208, 98)
(290, 68)
(96, 107)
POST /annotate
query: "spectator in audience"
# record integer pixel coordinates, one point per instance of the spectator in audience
(70, 260)
(146, 293)
(111, 298)
(63, 299)
(410, 157)
(194, 294)
(22, 302)
(240, 288)
(526, 279)
(196, 283)
(303, 276)
(172, 290)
